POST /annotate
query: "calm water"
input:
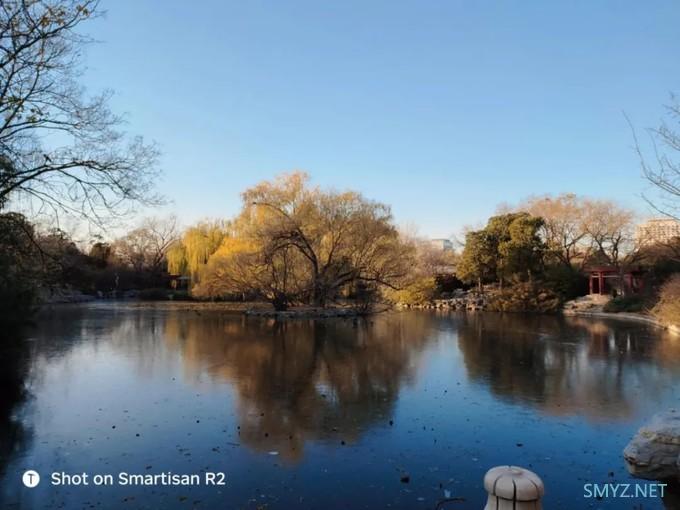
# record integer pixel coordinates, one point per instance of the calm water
(329, 414)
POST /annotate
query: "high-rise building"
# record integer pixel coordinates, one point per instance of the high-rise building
(655, 231)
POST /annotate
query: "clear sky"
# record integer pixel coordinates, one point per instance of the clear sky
(443, 109)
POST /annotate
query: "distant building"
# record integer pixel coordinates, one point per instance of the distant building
(656, 231)
(442, 244)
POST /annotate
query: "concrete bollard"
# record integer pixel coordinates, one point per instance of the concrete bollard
(513, 488)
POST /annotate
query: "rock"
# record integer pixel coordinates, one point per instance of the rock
(654, 452)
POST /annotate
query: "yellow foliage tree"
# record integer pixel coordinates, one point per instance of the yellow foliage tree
(192, 252)
(244, 266)
(298, 243)
(342, 237)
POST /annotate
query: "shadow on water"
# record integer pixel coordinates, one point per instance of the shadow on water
(20, 345)
(594, 368)
(14, 367)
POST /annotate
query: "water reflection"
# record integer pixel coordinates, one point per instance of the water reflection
(14, 436)
(302, 380)
(130, 384)
(567, 366)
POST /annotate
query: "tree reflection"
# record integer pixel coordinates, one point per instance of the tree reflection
(304, 380)
(14, 365)
(566, 366)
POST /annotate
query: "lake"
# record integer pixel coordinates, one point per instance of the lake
(391, 412)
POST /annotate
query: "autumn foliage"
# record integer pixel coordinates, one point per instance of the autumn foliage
(293, 244)
(668, 307)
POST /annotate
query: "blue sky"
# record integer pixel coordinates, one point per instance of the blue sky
(442, 109)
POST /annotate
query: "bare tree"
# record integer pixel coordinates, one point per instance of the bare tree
(663, 169)
(59, 148)
(145, 247)
(610, 231)
(564, 226)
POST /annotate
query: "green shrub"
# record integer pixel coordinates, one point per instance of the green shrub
(667, 309)
(19, 270)
(630, 304)
(525, 297)
(17, 296)
(419, 292)
(568, 282)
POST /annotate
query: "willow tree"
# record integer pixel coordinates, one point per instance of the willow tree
(191, 252)
(243, 266)
(61, 149)
(342, 237)
(311, 244)
(176, 258)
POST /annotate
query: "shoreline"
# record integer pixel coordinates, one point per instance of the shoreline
(257, 309)
(625, 316)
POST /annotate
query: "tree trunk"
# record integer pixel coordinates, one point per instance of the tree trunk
(319, 295)
(280, 303)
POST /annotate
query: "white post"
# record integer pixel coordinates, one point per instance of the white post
(513, 488)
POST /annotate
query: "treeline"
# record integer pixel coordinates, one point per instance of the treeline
(546, 243)
(294, 244)
(62, 153)
(43, 264)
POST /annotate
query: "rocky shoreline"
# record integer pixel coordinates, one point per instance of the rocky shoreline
(460, 301)
(523, 297)
(466, 301)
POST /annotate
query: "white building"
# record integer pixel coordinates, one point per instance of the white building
(655, 231)
(442, 244)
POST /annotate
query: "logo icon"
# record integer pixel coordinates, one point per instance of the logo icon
(31, 478)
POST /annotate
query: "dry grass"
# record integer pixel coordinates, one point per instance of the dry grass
(667, 310)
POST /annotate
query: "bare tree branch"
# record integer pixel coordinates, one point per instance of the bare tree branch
(663, 172)
(60, 149)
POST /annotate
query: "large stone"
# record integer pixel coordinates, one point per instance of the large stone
(654, 452)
